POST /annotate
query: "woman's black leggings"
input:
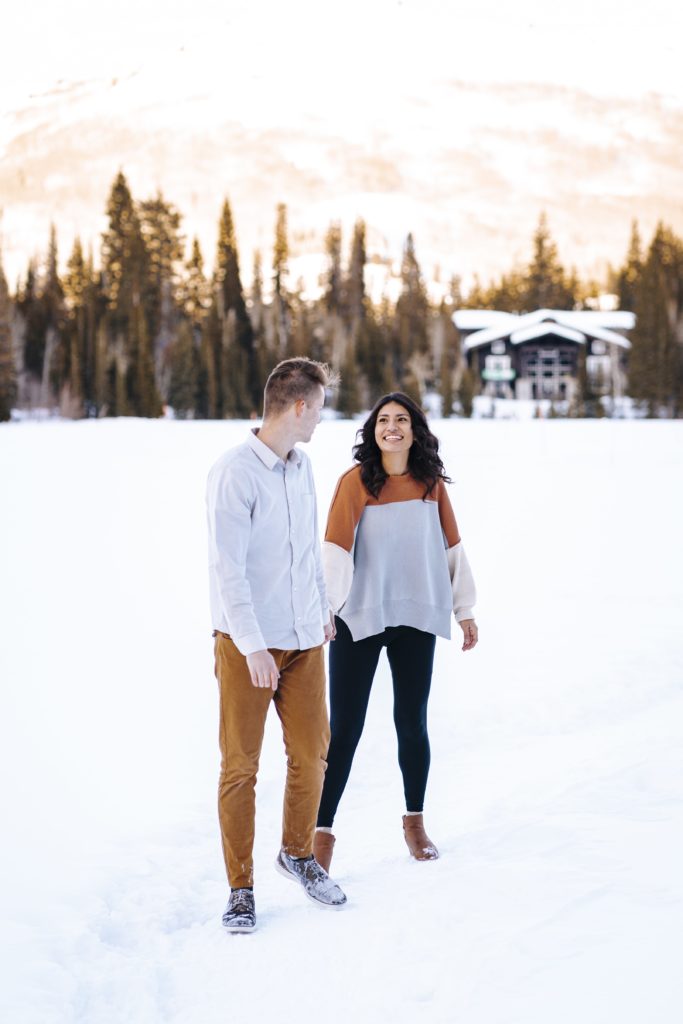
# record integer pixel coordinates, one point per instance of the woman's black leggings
(352, 668)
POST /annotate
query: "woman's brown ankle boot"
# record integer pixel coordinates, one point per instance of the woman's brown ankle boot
(323, 844)
(420, 845)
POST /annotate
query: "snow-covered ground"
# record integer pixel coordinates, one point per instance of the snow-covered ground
(557, 772)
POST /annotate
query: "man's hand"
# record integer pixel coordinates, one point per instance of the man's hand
(470, 634)
(330, 629)
(262, 669)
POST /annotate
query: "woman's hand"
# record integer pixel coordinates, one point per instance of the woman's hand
(329, 629)
(470, 634)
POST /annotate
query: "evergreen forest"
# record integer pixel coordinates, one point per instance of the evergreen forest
(145, 325)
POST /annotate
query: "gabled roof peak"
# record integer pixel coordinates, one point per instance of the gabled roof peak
(490, 325)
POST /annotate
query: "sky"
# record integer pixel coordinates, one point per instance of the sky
(275, 102)
(602, 45)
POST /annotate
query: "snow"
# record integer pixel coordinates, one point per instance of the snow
(488, 326)
(557, 769)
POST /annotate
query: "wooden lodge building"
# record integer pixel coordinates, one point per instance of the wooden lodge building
(536, 355)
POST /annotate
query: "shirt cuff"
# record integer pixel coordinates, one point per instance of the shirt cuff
(250, 643)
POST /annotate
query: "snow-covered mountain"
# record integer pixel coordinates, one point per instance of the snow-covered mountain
(464, 164)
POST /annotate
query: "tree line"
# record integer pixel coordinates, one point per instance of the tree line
(147, 326)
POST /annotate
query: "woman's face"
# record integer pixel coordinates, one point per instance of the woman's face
(393, 429)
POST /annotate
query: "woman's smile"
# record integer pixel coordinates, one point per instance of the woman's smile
(393, 428)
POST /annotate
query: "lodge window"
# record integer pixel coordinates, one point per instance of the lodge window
(548, 369)
(497, 364)
(598, 366)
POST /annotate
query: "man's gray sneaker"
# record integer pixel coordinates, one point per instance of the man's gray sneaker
(315, 881)
(240, 913)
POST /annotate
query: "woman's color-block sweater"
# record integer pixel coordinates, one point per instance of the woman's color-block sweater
(396, 560)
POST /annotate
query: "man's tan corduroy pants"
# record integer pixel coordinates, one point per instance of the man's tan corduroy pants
(300, 703)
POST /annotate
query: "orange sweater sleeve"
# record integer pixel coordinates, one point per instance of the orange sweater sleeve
(447, 516)
(350, 498)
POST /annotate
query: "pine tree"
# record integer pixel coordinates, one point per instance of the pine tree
(510, 294)
(446, 343)
(280, 305)
(210, 356)
(184, 372)
(101, 372)
(264, 357)
(127, 283)
(477, 297)
(348, 398)
(332, 297)
(301, 341)
(124, 258)
(95, 362)
(371, 354)
(164, 245)
(412, 310)
(79, 330)
(546, 282)
(195, 300)
(355, 282)
(232, 304)
(31, 317)
(466, 392)
(142, 391)
(628, 279)
(8, 379)
(656, 362)
(280, 250)
(446, 381)
(234, 372)
(415, 376)
(195, 290)
(56, 358)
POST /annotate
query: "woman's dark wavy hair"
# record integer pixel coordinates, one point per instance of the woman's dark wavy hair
(423, 458)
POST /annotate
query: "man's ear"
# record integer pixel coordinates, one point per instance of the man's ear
(299, 406)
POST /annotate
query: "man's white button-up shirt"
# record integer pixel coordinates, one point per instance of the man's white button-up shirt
(266, 581)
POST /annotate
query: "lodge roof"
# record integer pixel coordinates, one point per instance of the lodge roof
(488, 325)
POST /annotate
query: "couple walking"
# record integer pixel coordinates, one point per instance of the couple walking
(391, 572)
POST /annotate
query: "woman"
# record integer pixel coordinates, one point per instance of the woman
(395, 571)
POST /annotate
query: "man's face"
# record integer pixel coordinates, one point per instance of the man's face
(310, 415)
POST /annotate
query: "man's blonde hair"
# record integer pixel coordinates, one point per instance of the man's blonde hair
(295, 379)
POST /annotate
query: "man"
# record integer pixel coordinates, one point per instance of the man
(271, 617)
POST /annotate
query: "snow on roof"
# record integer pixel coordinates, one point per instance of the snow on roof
(609, 336)
(491, 325)
(619, 319)
(539, 330)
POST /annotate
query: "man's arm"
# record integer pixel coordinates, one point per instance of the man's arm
(229, 505)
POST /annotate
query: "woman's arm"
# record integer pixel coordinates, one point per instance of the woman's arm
(462, 581)
(338, 568)
(346, 509)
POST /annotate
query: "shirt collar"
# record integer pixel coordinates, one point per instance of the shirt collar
(267, 456)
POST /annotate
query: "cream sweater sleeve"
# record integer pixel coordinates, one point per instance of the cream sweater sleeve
(462, 582)
(338, 568)
(346, 509)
